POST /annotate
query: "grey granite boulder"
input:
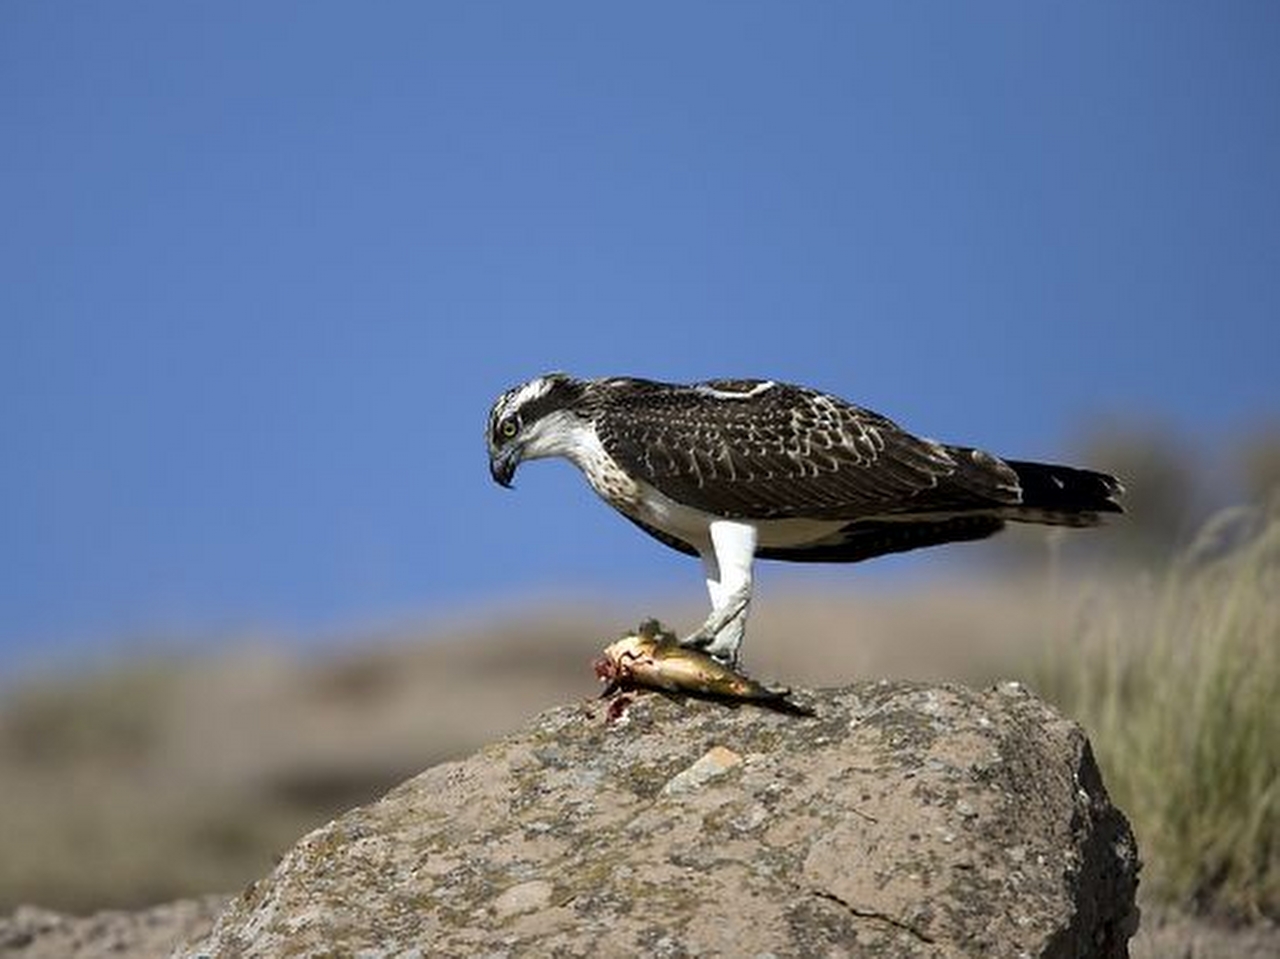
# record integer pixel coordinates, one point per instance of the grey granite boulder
(902, 819)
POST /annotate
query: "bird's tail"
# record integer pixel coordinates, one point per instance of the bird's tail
(1063, 495)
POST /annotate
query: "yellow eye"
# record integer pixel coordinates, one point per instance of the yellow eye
(508, 428)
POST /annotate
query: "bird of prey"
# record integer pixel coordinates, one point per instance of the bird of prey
(734, 469)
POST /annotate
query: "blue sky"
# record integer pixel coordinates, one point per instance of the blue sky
(263, 267)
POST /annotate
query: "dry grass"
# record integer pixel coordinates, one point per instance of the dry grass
(1177, 679)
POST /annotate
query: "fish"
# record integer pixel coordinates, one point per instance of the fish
(652, 658)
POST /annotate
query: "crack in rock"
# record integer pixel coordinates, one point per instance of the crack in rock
(872, 914)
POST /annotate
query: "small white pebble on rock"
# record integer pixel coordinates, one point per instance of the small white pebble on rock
(525, 897)
(716, 761)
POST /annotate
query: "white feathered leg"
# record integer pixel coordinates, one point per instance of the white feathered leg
(728, 568)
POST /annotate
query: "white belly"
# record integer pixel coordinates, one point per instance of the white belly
(693, 526)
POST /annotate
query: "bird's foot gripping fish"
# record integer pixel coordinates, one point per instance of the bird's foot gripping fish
(652, 658)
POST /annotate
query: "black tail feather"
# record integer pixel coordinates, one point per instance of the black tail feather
(1064, 494)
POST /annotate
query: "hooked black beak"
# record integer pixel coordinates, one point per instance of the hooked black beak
(502, 465)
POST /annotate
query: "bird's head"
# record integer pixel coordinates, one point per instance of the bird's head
(532, 420)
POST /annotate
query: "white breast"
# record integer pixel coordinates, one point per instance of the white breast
(563, 434)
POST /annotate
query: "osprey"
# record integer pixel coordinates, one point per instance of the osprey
(731, 470)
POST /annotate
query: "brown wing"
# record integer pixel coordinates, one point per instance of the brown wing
(749, 449)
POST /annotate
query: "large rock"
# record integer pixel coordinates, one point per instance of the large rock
(901, 820)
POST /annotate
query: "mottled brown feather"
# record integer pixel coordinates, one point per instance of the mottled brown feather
(785, 451)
